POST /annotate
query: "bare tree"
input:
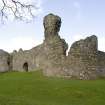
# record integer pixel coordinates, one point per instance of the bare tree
(16, 9)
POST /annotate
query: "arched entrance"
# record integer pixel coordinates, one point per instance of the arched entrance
(25, 66)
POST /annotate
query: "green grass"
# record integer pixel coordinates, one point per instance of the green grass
(34, 89)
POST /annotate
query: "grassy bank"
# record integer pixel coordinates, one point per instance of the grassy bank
(34, 89)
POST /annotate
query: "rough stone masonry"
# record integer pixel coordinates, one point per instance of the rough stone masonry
(83, 61)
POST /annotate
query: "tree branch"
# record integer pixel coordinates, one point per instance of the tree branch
(17, 10)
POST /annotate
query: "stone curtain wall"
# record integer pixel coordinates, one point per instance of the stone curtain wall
(22, 57)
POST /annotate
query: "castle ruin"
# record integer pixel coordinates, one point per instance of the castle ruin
(83, 61)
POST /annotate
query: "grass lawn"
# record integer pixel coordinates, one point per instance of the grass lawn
(34, 89)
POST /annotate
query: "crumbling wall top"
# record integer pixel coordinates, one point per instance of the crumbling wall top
(52, 24)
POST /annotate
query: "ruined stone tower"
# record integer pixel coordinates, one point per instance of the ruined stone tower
(54, 47)
(83, 61)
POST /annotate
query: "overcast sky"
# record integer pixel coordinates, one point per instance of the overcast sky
(80, 18)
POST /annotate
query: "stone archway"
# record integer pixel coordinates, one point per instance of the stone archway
(25, 66)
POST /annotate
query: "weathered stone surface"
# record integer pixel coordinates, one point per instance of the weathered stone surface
(82, 58)
(101, 63)
(84, 61)
(4, 61)
(52, 25)
(54, 47)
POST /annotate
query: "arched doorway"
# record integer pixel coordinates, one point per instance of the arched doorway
(25, 66)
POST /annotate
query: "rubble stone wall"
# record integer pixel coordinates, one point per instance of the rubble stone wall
(84, 60)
